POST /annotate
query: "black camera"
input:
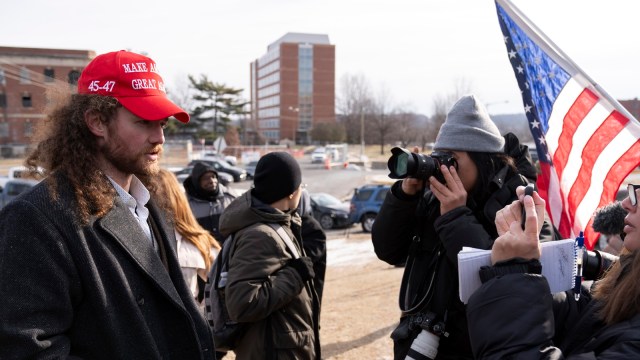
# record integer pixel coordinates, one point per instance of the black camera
(403, 163)
(596, 263)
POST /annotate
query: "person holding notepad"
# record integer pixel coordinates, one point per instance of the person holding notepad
(603, 324)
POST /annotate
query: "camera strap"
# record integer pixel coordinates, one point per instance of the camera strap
(408, 305)
(406, 289)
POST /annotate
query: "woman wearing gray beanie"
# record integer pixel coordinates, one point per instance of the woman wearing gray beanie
(424, 223)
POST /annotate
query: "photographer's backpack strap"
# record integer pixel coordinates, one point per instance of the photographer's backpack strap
(286, 238)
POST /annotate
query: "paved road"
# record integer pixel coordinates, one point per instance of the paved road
(338, 181)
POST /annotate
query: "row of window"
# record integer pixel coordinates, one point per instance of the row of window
(269, 90)
(269, 124)
(26, 100)
(270, 101)
(269, 68)
(27, 129)
(269, 112)
(271, 134)
(273, 78)
(48, 75)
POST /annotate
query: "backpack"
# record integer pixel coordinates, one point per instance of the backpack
(226, 332)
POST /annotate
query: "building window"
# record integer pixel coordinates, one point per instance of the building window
(26, 100)
(3, 100)
(2, 80)
(49, 75)
(4, 129)
(74, 75)
(28, 128)
(25, 76)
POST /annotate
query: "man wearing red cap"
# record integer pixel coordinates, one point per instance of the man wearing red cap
(87, 263)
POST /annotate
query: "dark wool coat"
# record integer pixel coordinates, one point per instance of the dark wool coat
(98, 291)
(515, 317)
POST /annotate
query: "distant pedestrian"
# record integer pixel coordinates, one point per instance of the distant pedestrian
(207, 197)
(87, 261)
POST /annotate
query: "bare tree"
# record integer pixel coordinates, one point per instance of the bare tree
(353, 102)
(407, 128)
(382, 120)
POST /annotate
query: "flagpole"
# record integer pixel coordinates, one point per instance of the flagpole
(552, 49)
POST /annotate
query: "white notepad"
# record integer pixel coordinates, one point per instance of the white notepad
(558, 259)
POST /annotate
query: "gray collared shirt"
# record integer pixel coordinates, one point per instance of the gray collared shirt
(136, 200)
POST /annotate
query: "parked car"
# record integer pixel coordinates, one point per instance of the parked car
(329, 210)
(13, 188)
(183, 173)
(20, 172)
(221, 166)
(366, 203)
(319, 155)
(250, 168)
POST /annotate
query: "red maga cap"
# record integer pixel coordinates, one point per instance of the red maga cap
(133, 80)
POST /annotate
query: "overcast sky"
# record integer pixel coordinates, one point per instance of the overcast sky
(414, 48)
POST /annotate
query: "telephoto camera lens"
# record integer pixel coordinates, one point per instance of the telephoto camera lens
(424, 346)
(403, 163)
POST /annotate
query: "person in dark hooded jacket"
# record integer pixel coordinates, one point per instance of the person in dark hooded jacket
(513, 315)
(426, 226)
(207, 197)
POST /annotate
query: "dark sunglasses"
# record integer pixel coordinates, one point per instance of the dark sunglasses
(631, 189)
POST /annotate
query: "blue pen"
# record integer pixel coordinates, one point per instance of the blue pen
(579, 253)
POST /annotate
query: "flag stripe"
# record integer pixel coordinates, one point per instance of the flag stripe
(574, 117)
(592, 181)
(564, 102)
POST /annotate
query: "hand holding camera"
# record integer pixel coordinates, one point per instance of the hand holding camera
(452, 194)
(439, 168)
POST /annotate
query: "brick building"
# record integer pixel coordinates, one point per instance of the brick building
(293, 87)
(26, 74)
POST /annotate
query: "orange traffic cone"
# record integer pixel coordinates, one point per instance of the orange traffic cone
(327, 163)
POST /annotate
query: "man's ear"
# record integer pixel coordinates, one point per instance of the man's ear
(94, 123)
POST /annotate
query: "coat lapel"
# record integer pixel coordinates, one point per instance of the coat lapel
(124, 228)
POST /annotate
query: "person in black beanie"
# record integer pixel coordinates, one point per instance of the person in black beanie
(207, 197)
(270, 277)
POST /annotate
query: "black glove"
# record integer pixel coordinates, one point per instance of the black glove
(304, 267)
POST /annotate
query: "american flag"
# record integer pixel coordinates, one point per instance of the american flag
(587, 142)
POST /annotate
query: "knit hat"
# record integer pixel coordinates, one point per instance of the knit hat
(468, 127)
(277, 176)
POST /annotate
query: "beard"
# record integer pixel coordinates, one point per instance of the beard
(127, 161)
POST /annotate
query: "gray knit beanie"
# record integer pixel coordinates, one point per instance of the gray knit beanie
(468, 127)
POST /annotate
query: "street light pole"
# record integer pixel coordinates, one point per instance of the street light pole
(362, 133)
(295, 123)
